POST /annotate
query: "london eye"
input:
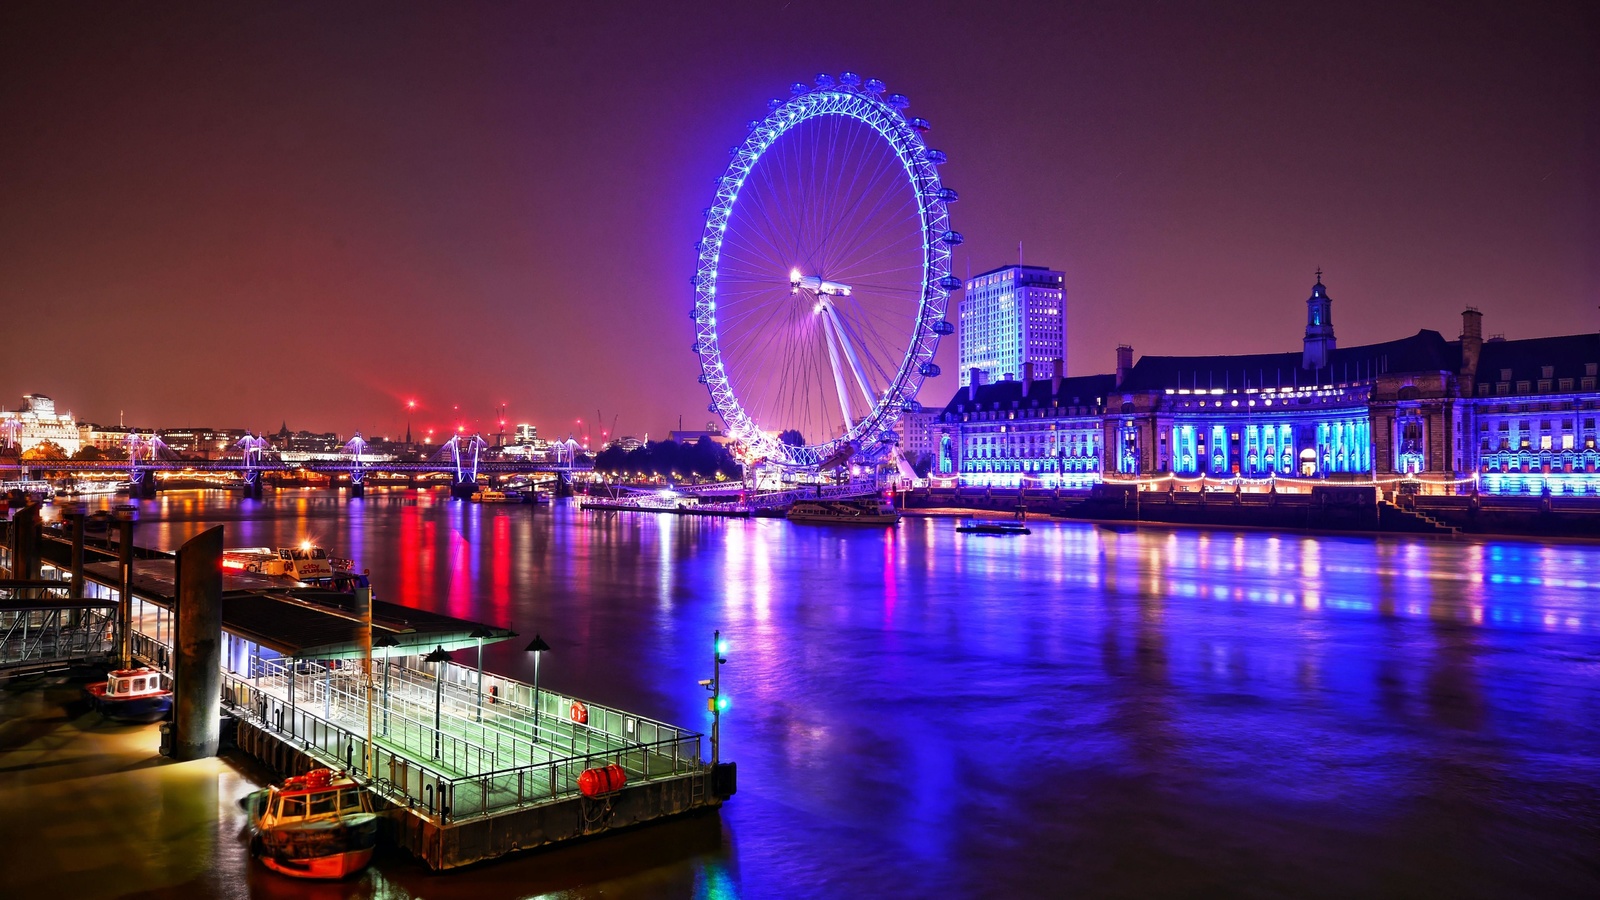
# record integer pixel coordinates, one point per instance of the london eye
(824, 274)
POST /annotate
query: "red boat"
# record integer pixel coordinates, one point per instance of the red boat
(131, 695)
(316, 825)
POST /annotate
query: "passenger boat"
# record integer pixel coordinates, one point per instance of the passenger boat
(980, 526)
(131, 695)
(858, 511)
(306, 563)
(488, 495)
(85, 488)
(316, 825)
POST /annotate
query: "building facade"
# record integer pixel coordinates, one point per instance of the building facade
(37, 422)
(1453, 416)
(1010, 316)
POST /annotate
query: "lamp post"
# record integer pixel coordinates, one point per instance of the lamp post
(387, 642)
(536, 647)
(438, 657)
(481, 632)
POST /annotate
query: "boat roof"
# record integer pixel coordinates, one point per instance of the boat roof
(305, 622)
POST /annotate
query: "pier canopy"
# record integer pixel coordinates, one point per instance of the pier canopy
(307, 623)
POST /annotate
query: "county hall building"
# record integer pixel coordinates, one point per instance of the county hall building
(1443, 416)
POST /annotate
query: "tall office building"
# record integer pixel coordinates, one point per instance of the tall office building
(1010, 316)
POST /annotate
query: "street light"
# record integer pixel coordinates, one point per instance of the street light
(536, 647)
(481, 632)
(438, 657)
(387, 642)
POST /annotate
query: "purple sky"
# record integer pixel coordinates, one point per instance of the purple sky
(248, 213)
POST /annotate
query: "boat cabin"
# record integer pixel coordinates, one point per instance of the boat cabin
(133, 683)
(296, 802)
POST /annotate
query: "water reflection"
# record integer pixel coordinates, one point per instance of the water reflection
(1083, 710)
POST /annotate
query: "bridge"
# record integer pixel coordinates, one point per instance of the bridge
(462, 457)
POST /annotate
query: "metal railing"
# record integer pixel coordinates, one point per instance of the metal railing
(503, 769)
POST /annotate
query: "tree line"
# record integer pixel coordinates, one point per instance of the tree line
(705, 459)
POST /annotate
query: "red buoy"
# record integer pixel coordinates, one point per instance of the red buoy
(580, 713)
(318, 778)
(595, 782)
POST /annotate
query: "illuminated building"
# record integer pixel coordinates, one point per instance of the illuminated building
(916, 433)
(37, 422)
(1031, 432)
(1444, 416)
(526, 435)
(1010, 316)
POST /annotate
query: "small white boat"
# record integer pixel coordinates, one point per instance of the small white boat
(858, 511)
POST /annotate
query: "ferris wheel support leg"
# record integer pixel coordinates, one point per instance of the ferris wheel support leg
(838, 372)
(850, 354)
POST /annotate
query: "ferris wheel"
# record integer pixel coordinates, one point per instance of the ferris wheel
(824, 273)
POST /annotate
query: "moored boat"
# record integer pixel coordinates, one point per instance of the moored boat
(131, 695)
(316, 825)
(979, 526)
(858, 511)
(490, 495)
(305, 563)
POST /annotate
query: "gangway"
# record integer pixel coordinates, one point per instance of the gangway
(44, 628)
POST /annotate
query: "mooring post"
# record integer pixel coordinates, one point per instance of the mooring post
(197, 676)
(125, 519)
(75, 517)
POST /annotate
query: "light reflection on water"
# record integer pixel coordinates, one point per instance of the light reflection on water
(1082, 710)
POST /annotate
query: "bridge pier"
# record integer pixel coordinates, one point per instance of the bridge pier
(463, 490)
(563, 484)
(358, 489)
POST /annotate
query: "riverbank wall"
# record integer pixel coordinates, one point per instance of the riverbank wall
(1324, 508)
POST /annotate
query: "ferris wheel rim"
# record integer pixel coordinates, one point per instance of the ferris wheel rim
(919, 162)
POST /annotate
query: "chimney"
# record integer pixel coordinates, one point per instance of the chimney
(1471, 347)
(1027, 376)
(1124, 362)
(975, 378)
(1058, 370)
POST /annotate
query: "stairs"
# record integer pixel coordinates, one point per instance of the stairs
(1395, 518)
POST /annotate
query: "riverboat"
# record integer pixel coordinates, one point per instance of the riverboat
(86, 488)
(131, 695)
(858, 511)
(316, 825)
(305, 563)
(489, 495)
(976, 526)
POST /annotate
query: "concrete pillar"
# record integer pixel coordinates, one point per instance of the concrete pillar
(75, 517)
(197, 674)
(125, 587)
(25, 543)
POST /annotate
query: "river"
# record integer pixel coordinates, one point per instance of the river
(1083, 711)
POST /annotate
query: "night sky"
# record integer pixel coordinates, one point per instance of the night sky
(240, 214)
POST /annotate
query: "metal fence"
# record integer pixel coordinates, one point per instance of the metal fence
(466, 778)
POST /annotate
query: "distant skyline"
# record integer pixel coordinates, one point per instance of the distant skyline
(239, 216)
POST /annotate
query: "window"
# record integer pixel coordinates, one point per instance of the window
(1523, 387)
(1564, 384)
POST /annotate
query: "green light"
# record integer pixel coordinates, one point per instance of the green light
(722, 703)
(722, 647)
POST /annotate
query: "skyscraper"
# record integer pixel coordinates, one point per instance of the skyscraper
(1009, 316)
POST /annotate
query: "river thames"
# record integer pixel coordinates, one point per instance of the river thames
(1078, 712)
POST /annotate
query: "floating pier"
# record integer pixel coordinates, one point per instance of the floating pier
(470, 764)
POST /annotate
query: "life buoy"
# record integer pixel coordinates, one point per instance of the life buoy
(494, 693)
(580, 713)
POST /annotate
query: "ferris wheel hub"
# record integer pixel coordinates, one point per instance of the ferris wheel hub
(816, 285)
